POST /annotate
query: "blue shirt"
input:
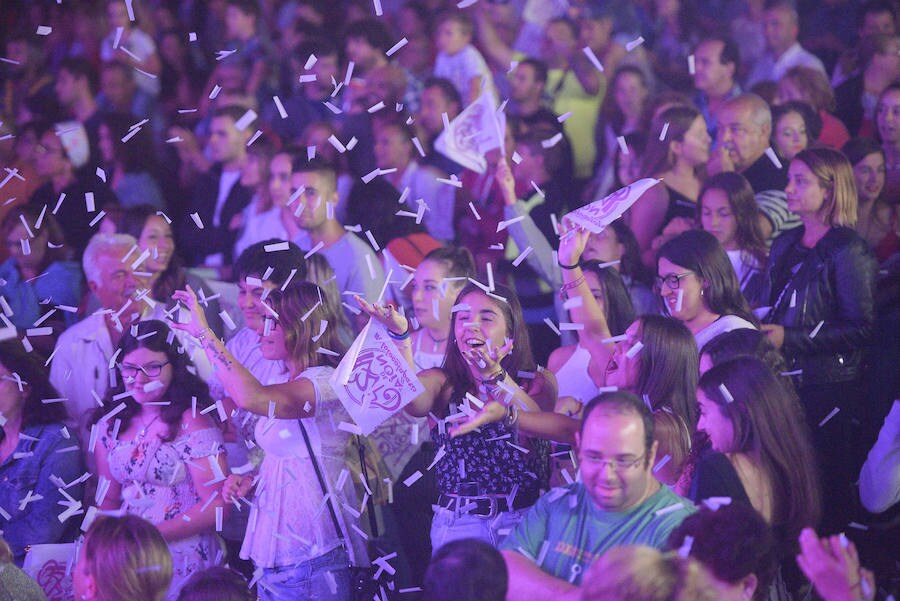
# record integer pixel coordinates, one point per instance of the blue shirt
(42, 452)
(566, 531)
(60, 284)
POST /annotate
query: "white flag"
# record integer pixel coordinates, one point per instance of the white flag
(600, 213)
(475, 131)
(373, 380)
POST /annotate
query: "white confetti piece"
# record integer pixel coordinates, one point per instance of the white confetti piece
(254, 137)
(516, 157)
(44, 30)
(662, 462)
(774, 158)
(551, 325)
(393, 49)
(829, 416)
(562, 118)
(522, 256)
(337, 144)
(280, 107)
(634, 43)
(816, 329)
(197, 220)
(246, 119)
(613, 339)
(685, 549)
(691, 65)
(634, 350)
(593, 58)
(553, 141)
(669, 509)
(215, 92)
(679, 299)
(192, 36)
(665, 130)
(505, 224)
(412, 479)
(714, 503)
(726, 394)
(623, 145)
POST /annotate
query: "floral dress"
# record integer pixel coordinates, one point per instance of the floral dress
(157, 486)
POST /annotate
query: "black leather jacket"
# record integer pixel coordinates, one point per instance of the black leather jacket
(835, 285)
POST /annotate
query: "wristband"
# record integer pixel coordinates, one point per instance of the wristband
(402, 336)
(494, 380)
(564, 290)
(511, 417)
(569, 267)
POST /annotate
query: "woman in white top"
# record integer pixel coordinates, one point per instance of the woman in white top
(727, 210)
(598, 300)
(291, 536)
(699, 288)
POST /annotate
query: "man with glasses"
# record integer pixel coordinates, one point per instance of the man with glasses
(617, 502)
(81, 368)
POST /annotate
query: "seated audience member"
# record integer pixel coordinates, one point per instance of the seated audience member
(122, 558)
(744, 129)
(736, 548)
(877, 219)
(699, 288)
(80, 369)
(467, 569)
(761, 449)
(832, 565)
(678, 159)
(354, 262)
(618, 502)
(795, 127)
(58, 158)
(38, 458)
(394, 150)
(879, 480)
(166, 460)
(727, 210)
(128, 164)
(14, 583)
(216, 584)
(639, 573)
(811, 86)
(38, 276)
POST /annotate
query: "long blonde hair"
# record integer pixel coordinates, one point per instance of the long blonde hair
(128, 559)
(835, 175)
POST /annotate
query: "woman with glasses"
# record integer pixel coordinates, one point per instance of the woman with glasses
(820, 285)
(300, 548)
(761, 449)
(699, 288)
(159, 455)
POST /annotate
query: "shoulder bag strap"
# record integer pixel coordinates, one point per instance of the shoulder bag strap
(329, 500)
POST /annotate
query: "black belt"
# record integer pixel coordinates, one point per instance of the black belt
(482, 505)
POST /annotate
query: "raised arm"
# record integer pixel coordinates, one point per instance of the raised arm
(589, 312)
(539, 424)
(291, 400)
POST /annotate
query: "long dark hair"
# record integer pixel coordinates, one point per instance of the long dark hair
(700, 252)
(173, 278)
(676, 120)
(617, 301)
(156, 336)
(743, 206)
(669, 366)
(35, 383)
(459, 378)
(769, 427)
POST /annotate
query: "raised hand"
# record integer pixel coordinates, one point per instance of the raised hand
(492, 412)
(572, 241)
(832, 564)
(387, 315)
(486, 359)
(198, 322)
(236, 486)
(506, 181)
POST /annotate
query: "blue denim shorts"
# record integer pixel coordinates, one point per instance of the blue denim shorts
(324, 577)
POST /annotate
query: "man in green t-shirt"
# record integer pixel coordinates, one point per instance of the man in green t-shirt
(618, 502)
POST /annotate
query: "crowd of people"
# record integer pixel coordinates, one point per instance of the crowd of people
(206, 206)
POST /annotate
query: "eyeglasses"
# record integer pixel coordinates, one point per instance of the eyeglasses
(620, 465)
(151, 370)
(672, 281)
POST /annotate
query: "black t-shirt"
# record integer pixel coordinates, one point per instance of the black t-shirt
(764, 175)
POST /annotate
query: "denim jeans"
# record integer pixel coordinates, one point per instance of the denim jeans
(324, 577)
(446, 526)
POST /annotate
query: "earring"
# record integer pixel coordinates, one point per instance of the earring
(702, 290)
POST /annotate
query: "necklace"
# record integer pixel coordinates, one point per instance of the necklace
(143, 431)
(436, 342)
